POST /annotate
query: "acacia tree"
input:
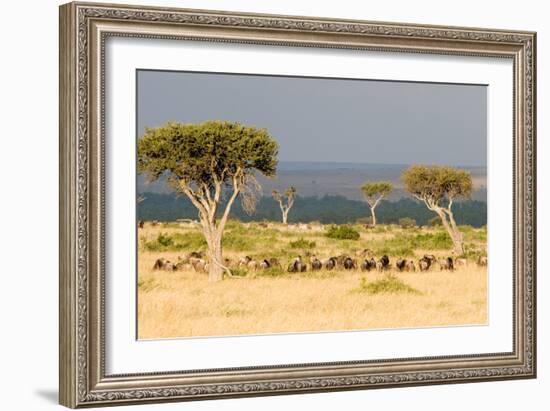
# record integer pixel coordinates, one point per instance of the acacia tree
(285, 201)
(374, 192)
(211, 163)
(438, 187)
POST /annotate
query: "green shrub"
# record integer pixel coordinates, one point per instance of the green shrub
(301, 243)
(342, 232)
(380, 228)
(389, 284)
(239, 272)
(177, 242)
(236, 241)
(403, 245)
(407, 222)
(395, 250)
(436, 241)
(473, 234)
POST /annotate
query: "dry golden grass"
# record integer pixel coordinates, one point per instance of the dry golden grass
(185, 304)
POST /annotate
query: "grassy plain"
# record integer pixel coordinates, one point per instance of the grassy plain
(184, 304)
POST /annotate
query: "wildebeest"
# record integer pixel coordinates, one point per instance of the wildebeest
(340, 260)
(252, 265)
(461, 262)
(243, 261)
(162, 264)
(410, 266)
(430, 257)
(264, 264)
(297, 266)
(196, 254)
(482, 261)
(349, 263)
(141, 223)
(426, 262)
(368, 265)
(315, 263)
(199, 265)
(400, 264)
(329, 263)
(423, 264)
(159, 264)
(446, 264)
(193, 255)
(385, 262)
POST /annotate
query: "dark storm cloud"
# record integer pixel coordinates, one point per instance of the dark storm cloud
(336, 120)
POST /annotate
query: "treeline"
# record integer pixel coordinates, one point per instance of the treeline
(327, 210)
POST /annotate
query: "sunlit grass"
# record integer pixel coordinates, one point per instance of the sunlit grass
(184, 303)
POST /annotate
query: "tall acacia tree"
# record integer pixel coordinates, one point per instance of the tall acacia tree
(374, 192)
(211, 163)
(285, 201)
(438, 187)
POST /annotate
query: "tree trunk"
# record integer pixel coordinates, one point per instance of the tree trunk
(458, 240)
(453, 231)
(215, 266)
(285, 216)
(373, 216)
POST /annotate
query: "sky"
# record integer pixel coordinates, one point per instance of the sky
(329, 120)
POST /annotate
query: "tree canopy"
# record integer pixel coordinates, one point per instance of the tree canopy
(376, 188)
(436, 183)
(290, 192)
(207, 152)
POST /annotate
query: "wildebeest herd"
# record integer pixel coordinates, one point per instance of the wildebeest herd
(363, 260)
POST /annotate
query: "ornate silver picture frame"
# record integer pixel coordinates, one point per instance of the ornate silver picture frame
(84, 30)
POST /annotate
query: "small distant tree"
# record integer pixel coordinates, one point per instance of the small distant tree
(438, 187)
(286, 201)
(374, 192)
(204, 162)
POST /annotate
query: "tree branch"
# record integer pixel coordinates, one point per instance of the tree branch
(207, 193)
(217, 190)
(425, 200)
(184, 187)
(290, 202)
(377, 201)
(236, 189)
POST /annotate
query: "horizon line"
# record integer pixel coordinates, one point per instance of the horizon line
(377, 163)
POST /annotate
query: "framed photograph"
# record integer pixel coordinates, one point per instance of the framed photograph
(260, 205)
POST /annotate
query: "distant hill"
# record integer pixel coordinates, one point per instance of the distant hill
(318, 179)
(327, 209)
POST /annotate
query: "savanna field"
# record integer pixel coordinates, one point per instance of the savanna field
(183, 303)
